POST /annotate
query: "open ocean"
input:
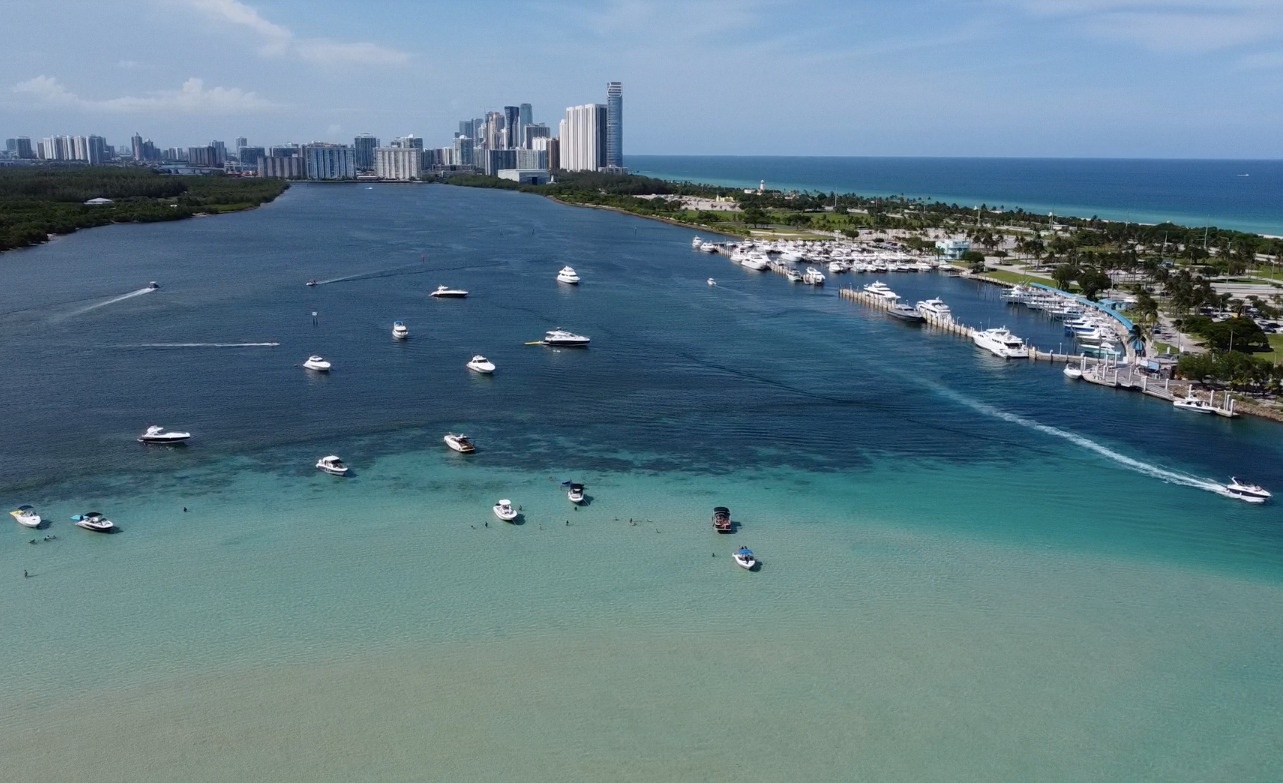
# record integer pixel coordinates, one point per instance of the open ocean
(971, 569)
(1243, 195)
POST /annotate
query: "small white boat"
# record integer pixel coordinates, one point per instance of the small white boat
(711, 281)
(1252, 493)
(332, 465)
(1193, 404)
(460, 443)
(481, 364)
(26, 516)
(317, 363)
(504, 510)
(155, 434)
(92, 520)
(562, 339)
(399, 330)
(1072, 372)
(568, 276)
(744, 558)
(793, 276)
(574, 492)
(446, 292)
(311, 283)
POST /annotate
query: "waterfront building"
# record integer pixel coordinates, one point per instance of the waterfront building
(525, 176)
(492, 136)
(220, 152)
(96, 150)
(203, 157)
(615, 125)
(398, 163)
(284, 151)
(364, 145)
(583, 139)
(284, 167)
(953, 249)
(554, 154)
(325, 161)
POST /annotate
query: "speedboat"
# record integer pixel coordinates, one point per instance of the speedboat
(935, 309)
(481, 364)
(711, 281)
(1001, 342)
(446, 292)
(26, 516)
(155, 434)
(399, 330)
(311, 283)
(332, 465)
(1194, 404)
(567, 275)
(905, 313)
(744, 558)
(504, 510)
(574, 491)
(92, 520)
(460, 443)
(563, 339)
(722, 520)
(317, 363)
(1073, 372)
(793, 276)
(1252, 493)
(153, 285)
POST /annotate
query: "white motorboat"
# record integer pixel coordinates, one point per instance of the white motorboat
(880, 289)
(838, 266)
(504, 510)
(711, 281)
(696, 242)
(446, 292)
(935, 309)
(332, 465)
(755, 261)
(568, 275)
(460, 443)
(155, 434)
(1001, 342)
(574, 491)
(1252, 493)
(399, 330)
(793, 276)
(560, 338)
(92, 520)
(1194, 404)
(813, 276)
(1072, 372)
(26, 516)
(153, 285)
(317, 363)
(481, 364)
(744, 558)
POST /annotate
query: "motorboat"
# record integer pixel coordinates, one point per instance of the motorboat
(1252, 493)
(156, 434)
(311, 283)
(935, 309)
(1072, 372)
(813, 276)
(153, 285)
(481, 364)
(711, 281)
(1001, 342)
(903, 312)
(26, 516)
(560, 338)
(793, 276)
(317, 363)
(722, 520)
(504, 510)
(399, 330)
(574, 491)
(758, 262)
(1194, 404)
(460, 443)
(93, 520)
(882, 290)
(744, 558)
(446, 292)
(696, 242)
(567, 275)
(332, 465)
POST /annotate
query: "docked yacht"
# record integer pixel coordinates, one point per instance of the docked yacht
(26, 516)
(446, 292)
(155, 434)
(1001, 342)
(93, 520)
(399, 330)
(793, 276)
(574, 492)
(460, 443)
(504, 510)
(838, 266)
(755, 261)
(481, 364)
(905, 313)
(317, 363)
(1073, 372)
(813, 276)
(881, 289)
(332, 465)
(722, 520)
(1251, 493)
(1194, 404)
(568, 276)
(744, 558)
(560, 338)
(935, 309)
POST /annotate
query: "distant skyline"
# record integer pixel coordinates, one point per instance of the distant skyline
(1050, 78)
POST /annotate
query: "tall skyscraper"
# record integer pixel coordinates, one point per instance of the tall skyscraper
(136, 141)
(24, 147)
(365, 144)
(511, 123)
(583, 140)
(241, 141)
(615, 125)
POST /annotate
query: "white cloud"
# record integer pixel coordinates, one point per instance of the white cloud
(129, 65)
(191, 98)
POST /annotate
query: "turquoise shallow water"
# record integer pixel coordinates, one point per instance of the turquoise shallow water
(971, 570)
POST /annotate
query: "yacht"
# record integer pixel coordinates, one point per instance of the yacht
(317, 363)
(26, 516)
(574, 492)
(813, 276)
(755, 261)
(935, 309)
(722, 520)
(1193, 404)
(481, 364)
(744, 558)
(446, 292)
(881, 289)
(696, 242)
(838, 266)
(567, 275)
(332, 465)
(1001, 342)
(460, 443)
(155, 434)
(92, 520)
(1252, 493)
(504, 510)
(399, 330)
(905, 313)
(562, 339)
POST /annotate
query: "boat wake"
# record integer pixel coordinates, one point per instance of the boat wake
(111, 301)
(410, 269)
(202, 345)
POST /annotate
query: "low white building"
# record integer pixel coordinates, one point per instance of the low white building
(953, 249)
(525, 176)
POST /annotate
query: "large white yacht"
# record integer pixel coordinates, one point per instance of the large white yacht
(156, 434)
(757, 261)
(935, 309)
(568, 275)
(881, 289)
(26, 516)
(813, 276)
(1001, 342)
(446, 292)
(317, 363)
(481, 364)
(560, 338)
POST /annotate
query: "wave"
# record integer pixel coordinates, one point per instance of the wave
(111, 301)
(202, 345)
(393, 272)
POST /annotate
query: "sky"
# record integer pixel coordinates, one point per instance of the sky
(987, 78)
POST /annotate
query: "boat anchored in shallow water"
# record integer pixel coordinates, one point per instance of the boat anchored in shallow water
(744, 558)
(1252, 493)
(574, 491)
(460, 443)
(332, 465)
(26, 516)
(722, 520)
(504, 510)
(93, 520)
(157, 435)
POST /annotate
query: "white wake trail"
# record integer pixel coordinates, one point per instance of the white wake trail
(111, 301)
(203, 345)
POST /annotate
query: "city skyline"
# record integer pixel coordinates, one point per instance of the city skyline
(1075, 78)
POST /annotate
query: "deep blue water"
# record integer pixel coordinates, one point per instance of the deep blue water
(1244, 195)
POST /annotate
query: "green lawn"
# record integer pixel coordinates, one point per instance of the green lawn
(1019, 277)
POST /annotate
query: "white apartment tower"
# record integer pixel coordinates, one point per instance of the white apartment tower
(583, 138)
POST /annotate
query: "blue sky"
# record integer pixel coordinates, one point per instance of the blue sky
(1071, 78)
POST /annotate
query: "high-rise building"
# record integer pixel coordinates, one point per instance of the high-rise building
(462, 151)
(329, 161)
(285, 167)
(136, 141)
(96, 150)
(241, 141)
(398, 163)
(531, 132)
(614, 125)
(495, 160)
(583, 140)
(511, 126)
(365, 144)
(249, 156)
(554, 154)
(527, 114)
(220, 152)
